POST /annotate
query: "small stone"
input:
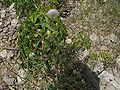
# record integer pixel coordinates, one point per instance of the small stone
(10, 38)
(62, 19)
(103, 48)
(3, 71)
(0, 23)
(3, 13)
(6, 23)
(31, 55)
(22, 73)
(5, 30)
(107, 40)
(19, 80)
(102, 38)
(18, 25)
(12, 6)
(113, 38)
(14, 22)
(3, 53)
(14, 36)
(9, 26)
(85, 53)
(1, 30)
(8, 80)
(68, 41)
(93, 37)
(10, 54)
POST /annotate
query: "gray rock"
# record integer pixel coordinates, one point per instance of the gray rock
(110, 79)
(103, 48)
(8, 80)
(93, 37)
(3, 53)
(1, 23)
(1, 30)
(5, 30)
(10, 55)
(14, 36)
(10, 38)
(107, 40)
(18, 25)
(9, 26)
(14, 22)
(11, 7)
(6, 23)
(3, 13)
(113, 38)
(5, 37)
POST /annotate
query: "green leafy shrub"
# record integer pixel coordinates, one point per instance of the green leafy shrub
(43, 48)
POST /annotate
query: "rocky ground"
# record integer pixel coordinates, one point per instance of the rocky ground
(103, 37)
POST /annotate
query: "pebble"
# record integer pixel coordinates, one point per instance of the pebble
(104, 48)
(3, 53)
(14, 36)
(0, 23)
(68, 41)
(14, 22)
(5, 29)
(106, 40)
(3, 13)
(12, 6)
(10, 54)
(22, 73)
(6, 23)
(1, 30)
(8, 80)
(93, 37)
(113, 38)
(85, 53)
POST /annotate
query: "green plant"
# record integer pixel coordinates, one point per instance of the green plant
(106, 57)
(94, 56)
(43, 48)
(41, 41)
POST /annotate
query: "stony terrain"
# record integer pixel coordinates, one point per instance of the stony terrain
(101, 38)
(8, 45)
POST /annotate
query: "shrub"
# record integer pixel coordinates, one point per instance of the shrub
(44, 50)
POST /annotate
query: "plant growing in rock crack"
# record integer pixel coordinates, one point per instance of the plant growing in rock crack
(44, 50)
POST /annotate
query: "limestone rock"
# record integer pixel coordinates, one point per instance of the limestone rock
(3, 13)
(3, 53)
(5, 30)
(8, 80)
(14, 22)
